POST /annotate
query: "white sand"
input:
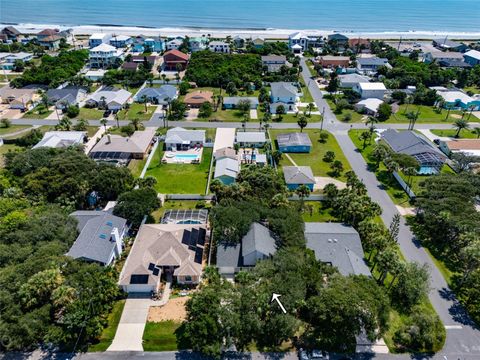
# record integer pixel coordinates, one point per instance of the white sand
(222, 33)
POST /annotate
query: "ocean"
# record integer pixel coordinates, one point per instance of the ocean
(335, 15)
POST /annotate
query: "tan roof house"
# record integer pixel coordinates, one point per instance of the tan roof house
(21, 99)
(164, 251)
(197, 98)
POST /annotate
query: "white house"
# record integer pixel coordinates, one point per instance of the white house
(283, 93)
(174, 44)
(95, 75)
(121, 41)
(61, 139)
(97, 39)
(7, 60)
(371, 90)
(183, 139)
(103, 56)
(251, 139)
(472, 57)
(370, 106)
(219, 47)
(298, 38)
(109, 98)
(350, 80)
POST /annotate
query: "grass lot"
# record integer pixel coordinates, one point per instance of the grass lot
(307, 97)
(12, 128)
(474, 89)
(37, 113)
(136, 111)
(136, 166)
(314, 158)
(90, 114)
(464, 134)
(290, 118)
(162, 336)
(224, 115)
(314, 212)
(428, 114)
(356, 117)
(108, 333)
(180, 178)
(173, 204)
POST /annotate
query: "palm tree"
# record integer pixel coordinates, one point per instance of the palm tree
(104, 122)
(310, 107)
(103, 100)
(460, 124)
(136, 123)
(476, 131)
(412, 116)
(164, 77)
(302, 122)
(408, 101)
(365, 135)
(144, 100)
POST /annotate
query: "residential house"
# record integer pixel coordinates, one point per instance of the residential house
(109, 98)
(174, 60)
(358, 43)
(100, 238)
(296, 142)
(197, 44)
(19, 99)
(224, 138)
(182, 139)
(150, 44)
(219, 47)
(121, 149)
(226, 152)
(8, 60)
(437, 56)
(283, 93)
(369, 90)
(448, 45)
(258, 244)
(69, 95)
(238, 41)
(226, 170)
(351, 80)
(61, 139)
(97, 39)
(472, 57)
(369, 106)
(367, 66)
(50, 38)
(298, 41)
(174, 44)
(338, 245)
(121, 41)
(9, 33)
(296, 176)
(274, 63)
(331, 61)
(258, 42)
(232, 102)
(174, 251)
(456, 99)
(158, 96)
(137, 60)
(454, 64)
(470, 147)
(338, 39)
(251, 139)
(95, 75)
(411, 143)
(104, 56)
(195, 99)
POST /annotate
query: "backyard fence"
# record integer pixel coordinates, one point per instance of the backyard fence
(188, 197)
(404, 185)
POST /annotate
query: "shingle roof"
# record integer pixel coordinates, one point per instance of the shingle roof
(227, 167)
(120, 96)
(162, 93)
(251, 136)
(283, 89)
(177, 53)
(179, 135)
(274, 58)
(372, 61)
(94, 241)
(61, 139)
(68, 94)
(337, 244)
(473, 54)
(298, 175)
(294, 139)
(260, 239)
(138, 143)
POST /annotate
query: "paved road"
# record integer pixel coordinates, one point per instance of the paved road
(462, 337)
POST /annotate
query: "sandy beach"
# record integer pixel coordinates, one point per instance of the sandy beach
(222, 33)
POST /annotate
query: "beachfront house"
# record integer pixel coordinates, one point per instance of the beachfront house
(411, 143)
(219, 47)
(174, 60)
(338, 245)
(109, 98)
(296, 142)
(298, 40)
(183, 139)
(368, 90)
(226, 169)
(9, 33)
(174, 44)
(251, 139)
(437, 56)
(198, 44)
(472, 57)
(296, 176)
(50, 38)
(98, 39)
(283, 93)
(158, 96)
(121, 41)
(258, 244)
(232, 102)
(368, 66)
(104, 56)
(337, 39)
(100, 237)
(174, 251)
(445, 44)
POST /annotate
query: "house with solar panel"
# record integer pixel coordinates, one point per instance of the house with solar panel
(164, 252)
(258, 244)
(100, 237)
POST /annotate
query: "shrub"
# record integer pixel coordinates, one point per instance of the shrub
(329, 156)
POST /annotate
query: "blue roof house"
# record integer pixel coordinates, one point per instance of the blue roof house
(294, 143)
(296, 176)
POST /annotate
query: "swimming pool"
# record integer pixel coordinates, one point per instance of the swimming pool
(186, 156)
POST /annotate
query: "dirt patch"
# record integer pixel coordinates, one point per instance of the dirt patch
(456, 116)
(174, 310)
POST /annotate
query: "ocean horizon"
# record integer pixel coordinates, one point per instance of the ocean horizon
(339, 15)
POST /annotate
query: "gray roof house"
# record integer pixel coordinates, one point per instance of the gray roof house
(411, 143)
(350, 80)
(70, 95)
(371, 65)
(293, 140)
(338, 245)
(259, 243)
(283, 90)
(179, 138)
(251, 138)
(100, 236)
(115, 99)
(157, 96)
(298, 175)
(274, 62)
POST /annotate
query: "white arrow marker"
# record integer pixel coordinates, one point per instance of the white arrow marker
(276, 297)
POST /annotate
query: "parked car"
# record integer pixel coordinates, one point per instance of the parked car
(107, 113)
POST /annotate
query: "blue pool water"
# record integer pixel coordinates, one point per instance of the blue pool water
(186, 156)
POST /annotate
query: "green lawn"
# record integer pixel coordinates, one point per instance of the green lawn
(314, 158)
(224, 115)
(464, 134)
(162, 336)
(428, 114)
(108, 333)
(37, 113)
(473, 89)
(136, 111)
(180, 178)
(90, 114)
(314, 212)
(307, 97)
(12, 128)
(355, 116)
(290, 118)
